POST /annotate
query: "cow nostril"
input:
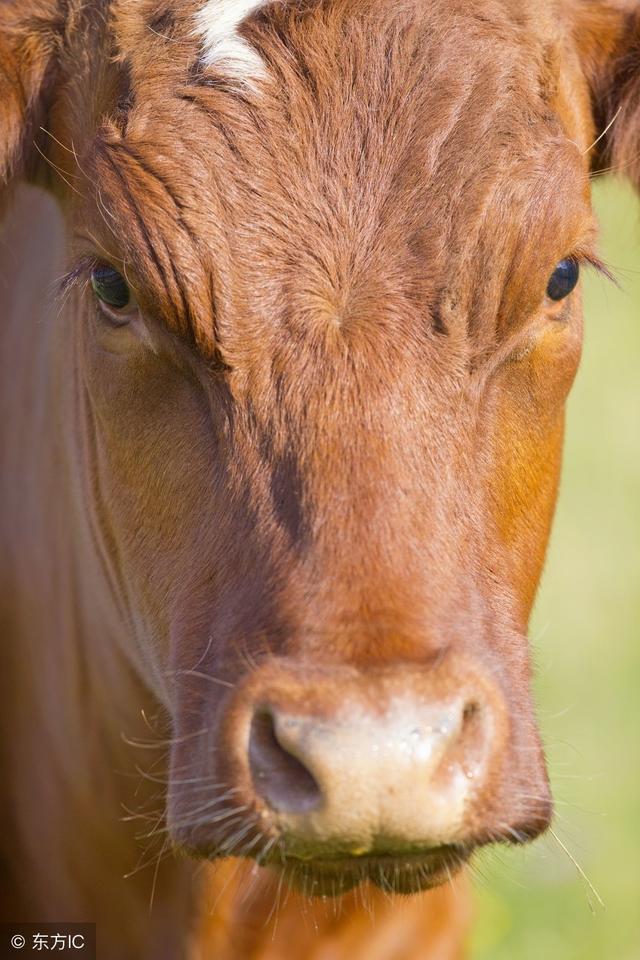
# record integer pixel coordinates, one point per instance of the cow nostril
(470, 714)
(279, 777)
(473, 739)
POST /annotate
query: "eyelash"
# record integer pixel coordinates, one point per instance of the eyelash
(79, 275)
(587, 259)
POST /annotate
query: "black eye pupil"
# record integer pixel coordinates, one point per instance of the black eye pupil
(110, 287)
(563, 280)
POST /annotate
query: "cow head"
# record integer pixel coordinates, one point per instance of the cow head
(322, 320)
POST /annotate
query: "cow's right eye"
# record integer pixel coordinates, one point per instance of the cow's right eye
(113, 292)
(564, 279)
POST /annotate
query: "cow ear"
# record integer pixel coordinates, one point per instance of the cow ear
(608, 36)
(31, 33)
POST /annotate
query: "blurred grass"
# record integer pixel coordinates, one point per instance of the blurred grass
(532, 903)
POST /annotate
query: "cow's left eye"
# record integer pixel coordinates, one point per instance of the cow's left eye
(564, 279)
(113, 292)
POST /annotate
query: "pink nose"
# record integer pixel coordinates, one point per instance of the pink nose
(348, 766)
(364, 781)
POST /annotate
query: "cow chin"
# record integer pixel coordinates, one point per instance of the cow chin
(410, 874)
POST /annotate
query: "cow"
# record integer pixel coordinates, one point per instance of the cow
(290, 312)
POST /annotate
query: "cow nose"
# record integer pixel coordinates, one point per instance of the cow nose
(280, 774)
(370, 779)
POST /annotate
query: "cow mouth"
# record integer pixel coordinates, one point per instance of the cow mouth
(393, 872)
(408, 874)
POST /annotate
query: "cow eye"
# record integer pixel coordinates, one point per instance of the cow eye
(113, 292)
(564, 279)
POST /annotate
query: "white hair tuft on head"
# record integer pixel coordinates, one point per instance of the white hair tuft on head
(217, 24)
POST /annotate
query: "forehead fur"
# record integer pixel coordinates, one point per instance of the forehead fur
(367, 182)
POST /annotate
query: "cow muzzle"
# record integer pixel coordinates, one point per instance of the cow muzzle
(348, 775)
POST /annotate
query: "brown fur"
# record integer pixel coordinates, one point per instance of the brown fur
(329, 462)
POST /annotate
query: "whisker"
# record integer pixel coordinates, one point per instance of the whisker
(57, 170)
(168, 742)
(205, 654)
(203, 676)
(582, 873)
(155, 875)
(604, 132)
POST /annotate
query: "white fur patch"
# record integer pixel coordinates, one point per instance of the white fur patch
(217, 24)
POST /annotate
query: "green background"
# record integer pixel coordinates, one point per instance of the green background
(532, 903)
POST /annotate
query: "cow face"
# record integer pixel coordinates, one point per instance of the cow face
(323, 318)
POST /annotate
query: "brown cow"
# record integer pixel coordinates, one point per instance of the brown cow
(281, 457)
